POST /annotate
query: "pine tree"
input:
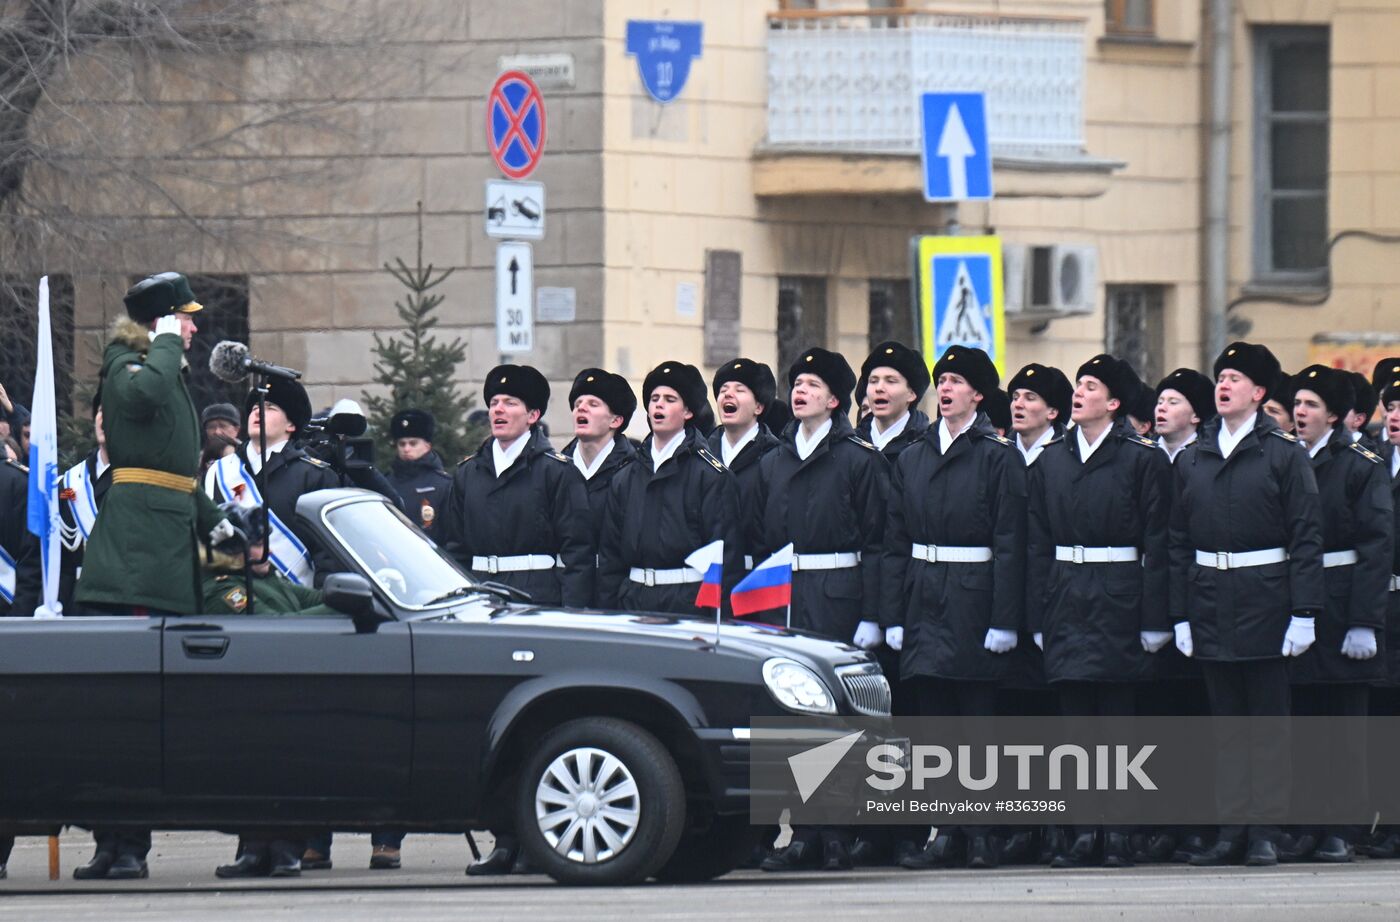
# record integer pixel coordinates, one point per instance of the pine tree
(418, 370)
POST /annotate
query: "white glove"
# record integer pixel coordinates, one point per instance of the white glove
(1360, 642)
(867, 635)
(221, 533)
(1183, 638)
(894, 638)
(1039, 639)
(1299, 636)
(1152, 641)
(169, 323)
(999, 641)
(43, 611)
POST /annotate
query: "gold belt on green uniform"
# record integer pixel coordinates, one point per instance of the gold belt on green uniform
(163, 479)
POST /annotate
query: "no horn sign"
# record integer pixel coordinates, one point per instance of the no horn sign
(515, 124)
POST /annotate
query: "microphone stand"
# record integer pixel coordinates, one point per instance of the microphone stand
(260, 478)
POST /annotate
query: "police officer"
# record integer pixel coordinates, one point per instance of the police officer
(20, 573)
(1097, 564)
(954, 558)
(1246, 587)
(603, 403)
(1385, 697)
(291, 473)
(142, 554)
(744, 390)
(517, 511)
(675, 499)
(81, 493)
(823, 490)
(417, 473)
(1332, 678)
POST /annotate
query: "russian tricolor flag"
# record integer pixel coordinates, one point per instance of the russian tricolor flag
(768, 586)
(709, 560)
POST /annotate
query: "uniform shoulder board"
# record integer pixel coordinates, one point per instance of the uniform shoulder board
(443, 474)
(714, 462)
(1288, 436)
(1142, 440)
(466, 459)
(1365, 452)
(17, 466)
(314, 462)
(559, 456)
(1001, 439)
(861, 442)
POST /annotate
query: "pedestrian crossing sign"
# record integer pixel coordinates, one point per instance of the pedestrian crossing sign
(960, 296)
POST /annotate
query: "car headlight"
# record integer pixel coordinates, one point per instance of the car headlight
(797, 687)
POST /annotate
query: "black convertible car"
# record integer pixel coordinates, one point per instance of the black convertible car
(615, 744)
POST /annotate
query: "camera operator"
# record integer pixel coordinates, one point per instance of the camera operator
(337, 437)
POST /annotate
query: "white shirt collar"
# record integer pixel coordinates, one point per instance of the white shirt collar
(1229, 441)
(1033, 452)
(945, 440)
(1356, 436)
(1320, 444)
(586, 469)
(727, 453)
(1171, 455)
(660, 454)
(881, 439)
(250, 452)
(102, 464)
(503, 458)
(1394, 460)
(1086, 450)
(806, 446)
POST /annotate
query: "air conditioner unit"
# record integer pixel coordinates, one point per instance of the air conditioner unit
(1045, 282)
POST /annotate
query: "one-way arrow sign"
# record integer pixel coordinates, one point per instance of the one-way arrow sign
(957, 157)
(515, 293)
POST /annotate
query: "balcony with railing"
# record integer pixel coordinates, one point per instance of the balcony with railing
(846, 84)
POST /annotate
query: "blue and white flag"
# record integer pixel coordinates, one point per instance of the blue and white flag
(44, 518)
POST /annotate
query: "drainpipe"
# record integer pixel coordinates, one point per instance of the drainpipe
(1216, 243)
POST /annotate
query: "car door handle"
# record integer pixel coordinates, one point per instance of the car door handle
(205, 647)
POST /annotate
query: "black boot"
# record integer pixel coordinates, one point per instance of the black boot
(1221, 853)
(128, 867)
(1052, 842)
(1080, 854)
(983, 852)
(865, 853)
(284, 858)
(904, 848)
(1159, 848)
(1333, 850)
(500, 861)
(836, 857)
(1116, 851)
(945, 851)
(97, 867)
(799, 856)
(1017, 848)
(1386, 846)
(1296, 847)
(248, 864)
(1189, 847)
(1262, 854)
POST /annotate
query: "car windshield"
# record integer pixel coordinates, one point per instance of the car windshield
(394, 554)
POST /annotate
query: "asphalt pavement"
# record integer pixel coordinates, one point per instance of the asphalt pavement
(432, 885)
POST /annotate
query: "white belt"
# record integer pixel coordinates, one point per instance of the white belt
(933, 553)
(748, 562)
(839, 561)
(1339, 558)
(516, 563)
(1395, 583)
(1234, 560)
(675, 577)
(1081, 554)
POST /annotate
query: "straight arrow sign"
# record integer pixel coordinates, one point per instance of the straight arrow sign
(956, 153)
(955, 146)
(515, 294)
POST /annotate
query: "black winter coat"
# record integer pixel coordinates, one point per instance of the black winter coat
(623, 453)
(1092, 614)
(974, 496)
(18, 541)
(1391, 650)
(1357, 514)
(747, 475)
(655, 519)
(537, 506)
(72, 560)
(423, 486)
(831, 503)
(913, 430)
(1263, 496)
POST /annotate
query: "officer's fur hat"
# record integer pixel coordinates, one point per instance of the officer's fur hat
(974, 365)
(158, 295)
(524, 382)
(902, 359)
(1387, 371)
(832, 368)
(1364, 397)
(996, 403)
(1198, 390)
(290, 396)
(1390, 391)
(1050, 383)
(608, 387)
(756, 376)
(1117, 375)
(1252, 360)
(413, 424)
(685, 380)
(1330, 384)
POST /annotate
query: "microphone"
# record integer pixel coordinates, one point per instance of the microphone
(230, 361)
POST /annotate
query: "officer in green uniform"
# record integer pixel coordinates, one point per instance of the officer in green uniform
(142, 555)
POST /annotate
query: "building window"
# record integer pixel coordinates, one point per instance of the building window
(1290, 154)
(801, 318)
(19, 318)
(225, 316)
(1137, 328)
(890, 314)
(1128, 17)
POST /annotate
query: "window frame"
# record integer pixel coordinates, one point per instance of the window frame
(1116, 19)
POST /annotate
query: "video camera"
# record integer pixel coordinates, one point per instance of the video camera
(338, 438)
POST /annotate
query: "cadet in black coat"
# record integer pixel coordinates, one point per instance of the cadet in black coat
(417, 474)
(1246, 584)
(894, 378)
(603, 403)
(1385, 697)
(673, 500)
(518, 508)
(744, 389)
(20, 572)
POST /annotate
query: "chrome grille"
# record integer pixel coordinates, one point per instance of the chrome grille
(866, 689)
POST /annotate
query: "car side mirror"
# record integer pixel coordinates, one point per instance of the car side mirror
(351, 594)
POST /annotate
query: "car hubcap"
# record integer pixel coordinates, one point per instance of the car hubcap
(587, 805)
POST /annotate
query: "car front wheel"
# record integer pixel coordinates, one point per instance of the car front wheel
(600, 802)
